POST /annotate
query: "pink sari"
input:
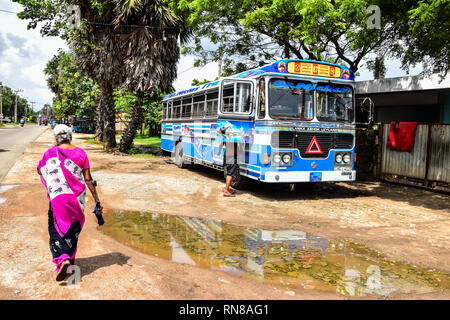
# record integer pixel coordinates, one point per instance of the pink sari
(62, 175)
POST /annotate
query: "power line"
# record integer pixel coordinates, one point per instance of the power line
(111, 24)
(6, 11)
(188, 69)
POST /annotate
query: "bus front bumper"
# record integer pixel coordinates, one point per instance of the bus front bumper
(309, 176)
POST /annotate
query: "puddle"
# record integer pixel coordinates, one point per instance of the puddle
(4, 188)
(291, 258)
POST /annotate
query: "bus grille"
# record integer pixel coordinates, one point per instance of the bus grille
(343, 141)
(283, 139)
(302, 140)
(325, 141)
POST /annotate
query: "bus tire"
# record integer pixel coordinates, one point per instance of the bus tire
(166, 153)
(238, 182)
(179, 158)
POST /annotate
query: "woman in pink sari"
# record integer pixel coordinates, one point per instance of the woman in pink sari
(65, 172)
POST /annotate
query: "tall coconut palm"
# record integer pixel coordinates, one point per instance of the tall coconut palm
(130, 44)
(97, 49)
(149, 30)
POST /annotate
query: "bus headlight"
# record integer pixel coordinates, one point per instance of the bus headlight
(338, 158)
(346, 158)
(286, 158)
(276, 158)
(282, 159)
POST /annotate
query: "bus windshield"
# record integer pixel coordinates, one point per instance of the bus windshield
(334, 102)
(291, 99)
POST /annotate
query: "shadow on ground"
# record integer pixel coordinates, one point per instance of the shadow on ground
(329, 190)
(91, 264)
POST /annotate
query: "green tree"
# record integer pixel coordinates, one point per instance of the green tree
(152, 111)
(424, 32)
(8, 103)
(119, 43)
(256, 32)
(75, 94)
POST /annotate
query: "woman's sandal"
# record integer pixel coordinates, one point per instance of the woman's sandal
(62, 273)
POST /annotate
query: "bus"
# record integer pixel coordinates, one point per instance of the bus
(290, 121)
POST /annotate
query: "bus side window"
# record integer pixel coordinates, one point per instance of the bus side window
(228, 98)
(236, 97)
(243, 97)
(164, 108)
(198, 106)
(187, 106)
(262, 100)
(169, 110)
(212, 101)
(176, 109)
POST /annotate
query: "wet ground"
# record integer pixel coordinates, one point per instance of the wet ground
(291, 258)
(170, 234)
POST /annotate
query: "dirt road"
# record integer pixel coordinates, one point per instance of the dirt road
(401, 223)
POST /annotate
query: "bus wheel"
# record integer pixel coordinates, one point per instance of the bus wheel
(180, 159)
(238, 182)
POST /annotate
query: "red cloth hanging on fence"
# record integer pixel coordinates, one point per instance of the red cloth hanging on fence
(401, 135)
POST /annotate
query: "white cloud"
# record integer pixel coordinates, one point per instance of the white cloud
(187, 72)
(23, 56)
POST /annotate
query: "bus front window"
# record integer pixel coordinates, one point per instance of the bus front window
(291, 99)
(334, 102)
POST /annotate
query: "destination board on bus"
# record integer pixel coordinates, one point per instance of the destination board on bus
(314, 69)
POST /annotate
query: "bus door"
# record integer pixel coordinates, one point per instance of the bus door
(235, 124)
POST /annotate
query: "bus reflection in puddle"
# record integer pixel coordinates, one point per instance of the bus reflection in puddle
(292, 258)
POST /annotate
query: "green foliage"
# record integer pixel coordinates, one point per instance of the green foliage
(124, 101)
(256, 32)
(259, 31)
(427, 29)
(196, 82)
(9, 100)
(75, 94)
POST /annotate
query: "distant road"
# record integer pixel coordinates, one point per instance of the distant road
(13, 142)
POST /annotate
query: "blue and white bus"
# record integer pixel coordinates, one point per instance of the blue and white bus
(291, 121)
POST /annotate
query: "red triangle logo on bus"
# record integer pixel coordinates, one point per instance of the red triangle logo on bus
(316, 150)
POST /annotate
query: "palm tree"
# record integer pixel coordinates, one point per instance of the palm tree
(130, 44)
(98, 54)
(151, 52)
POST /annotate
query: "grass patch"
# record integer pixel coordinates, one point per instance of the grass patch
(92, 140)
(148, 142)
(137, 152)
(145, 147)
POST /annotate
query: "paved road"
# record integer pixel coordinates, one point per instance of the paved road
(13, 142)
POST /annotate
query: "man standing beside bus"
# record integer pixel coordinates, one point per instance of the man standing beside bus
(231, 168)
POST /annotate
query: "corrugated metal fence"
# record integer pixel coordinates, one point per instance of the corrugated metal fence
(427, 165)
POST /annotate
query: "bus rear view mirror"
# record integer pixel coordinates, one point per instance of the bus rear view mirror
(365, 113)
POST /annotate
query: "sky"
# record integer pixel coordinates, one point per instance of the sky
(24, 54)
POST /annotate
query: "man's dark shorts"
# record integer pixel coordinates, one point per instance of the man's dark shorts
(232, 169)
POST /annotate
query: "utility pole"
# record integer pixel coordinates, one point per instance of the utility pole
(15, 105)
(32, 107)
